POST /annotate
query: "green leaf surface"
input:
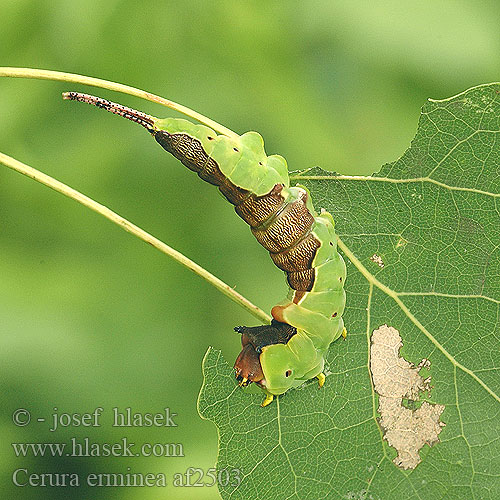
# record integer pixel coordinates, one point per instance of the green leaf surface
(421, 241)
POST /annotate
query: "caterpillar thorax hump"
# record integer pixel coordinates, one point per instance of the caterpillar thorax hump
(301, 242)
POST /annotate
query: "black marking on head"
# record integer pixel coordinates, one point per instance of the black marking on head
(260, 336)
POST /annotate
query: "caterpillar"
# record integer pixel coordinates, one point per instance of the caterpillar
(301, 242)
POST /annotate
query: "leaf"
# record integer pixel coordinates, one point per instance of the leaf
(421, 240)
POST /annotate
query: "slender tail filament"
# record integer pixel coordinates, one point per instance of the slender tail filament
(147, 121)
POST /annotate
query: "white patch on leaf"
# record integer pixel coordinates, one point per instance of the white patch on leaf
(396, 379)
(378, 260)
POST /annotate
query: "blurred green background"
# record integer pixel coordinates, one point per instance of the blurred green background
(89, 315)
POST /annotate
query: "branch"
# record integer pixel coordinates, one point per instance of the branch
(135, 230)
(44, 74)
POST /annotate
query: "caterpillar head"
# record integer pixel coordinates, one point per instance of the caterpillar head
(255, 340)
(247, 365)
(265, 355)
(273, 368)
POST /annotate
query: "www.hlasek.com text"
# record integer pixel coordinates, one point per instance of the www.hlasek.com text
(87, 448)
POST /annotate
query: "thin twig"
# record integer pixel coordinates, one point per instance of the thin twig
(135, 230)
(44, 74)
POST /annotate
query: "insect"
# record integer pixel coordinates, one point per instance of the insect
(282, 218)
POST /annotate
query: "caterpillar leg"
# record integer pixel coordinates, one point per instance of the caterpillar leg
(268, 400)
(321, 379)
(344, 333)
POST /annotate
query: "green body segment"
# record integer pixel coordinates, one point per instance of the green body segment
(317, 312)
(317, 317)
(243, 162)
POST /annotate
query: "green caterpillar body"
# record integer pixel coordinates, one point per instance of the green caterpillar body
(301, 242)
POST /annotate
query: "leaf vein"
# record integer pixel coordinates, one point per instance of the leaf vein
(374, 281)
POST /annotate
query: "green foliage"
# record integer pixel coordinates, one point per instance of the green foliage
(421, 245)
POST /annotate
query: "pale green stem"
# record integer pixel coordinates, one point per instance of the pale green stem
(44, 74)
(135, 230)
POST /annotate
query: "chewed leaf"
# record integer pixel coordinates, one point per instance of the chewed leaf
(420, 240)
